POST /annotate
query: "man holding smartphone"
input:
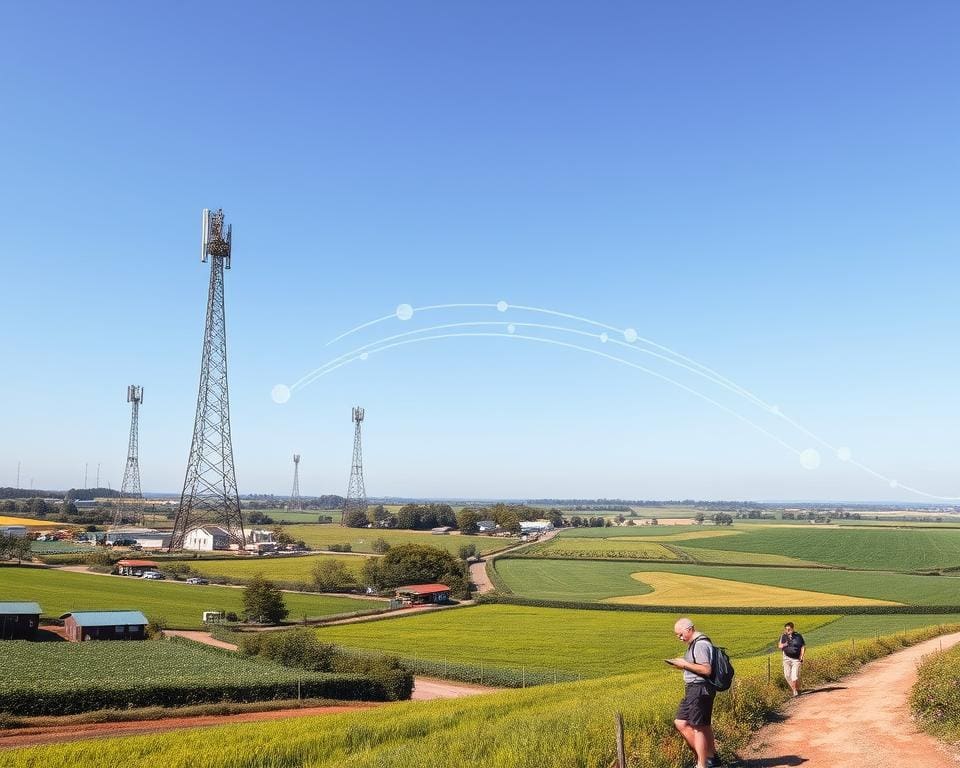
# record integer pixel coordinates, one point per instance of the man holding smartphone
(793, 646)
(695, 712)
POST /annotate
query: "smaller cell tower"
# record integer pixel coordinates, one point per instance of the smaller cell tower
(295, 502)
(131, 499)
(356, 493)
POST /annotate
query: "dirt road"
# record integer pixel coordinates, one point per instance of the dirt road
(862, 720)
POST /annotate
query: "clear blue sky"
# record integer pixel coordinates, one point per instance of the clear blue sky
(770, 191)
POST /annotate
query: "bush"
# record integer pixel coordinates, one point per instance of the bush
(332, 576)
(263, 601)
(934, 700)
(340, 548)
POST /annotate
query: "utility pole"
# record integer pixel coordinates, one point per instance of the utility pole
(130, 487)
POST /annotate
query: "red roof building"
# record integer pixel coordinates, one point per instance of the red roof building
(423, 594)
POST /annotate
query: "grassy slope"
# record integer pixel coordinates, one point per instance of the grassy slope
(591, 643)
(361, 539)
(574, 580)
(181, 605)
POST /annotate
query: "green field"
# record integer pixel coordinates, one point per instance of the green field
(361, 539)
(181, 605)
(281, 569)
(591, 643)
(593, 581)
(61, 678)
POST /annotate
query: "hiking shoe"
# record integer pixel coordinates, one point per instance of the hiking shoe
(714, 762)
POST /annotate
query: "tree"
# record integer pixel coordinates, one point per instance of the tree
(467, 551)
(15, 547)
(263, 601)
(699, 517)
(380, 516)
(467, 520)
(555, 518)
(380, 546)
(38, 507)
(355, 518)
(416, 564)
(332, 576)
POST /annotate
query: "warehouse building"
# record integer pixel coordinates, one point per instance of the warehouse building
(104, 625)
(423, 594)
(19, 620)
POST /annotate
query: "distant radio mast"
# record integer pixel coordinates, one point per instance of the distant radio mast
(356, 493)
(210, 486)
(131, 499)
(295, 502)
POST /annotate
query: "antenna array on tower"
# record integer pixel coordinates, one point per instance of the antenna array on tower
(356, 493)
(130, 499)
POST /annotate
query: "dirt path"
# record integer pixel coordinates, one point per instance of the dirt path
(478, 570)
(54, 734)
(862, 720)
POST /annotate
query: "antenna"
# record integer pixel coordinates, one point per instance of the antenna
(210, 485)
(130, 487)
(356, 493)
(295, 502)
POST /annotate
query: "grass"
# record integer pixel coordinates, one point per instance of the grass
(682, 589)
(281, 569)
(593, 581)
(361, 539)
(181, 605)
(591, 643)
(934, 699)
(619, 548)
(573, 727)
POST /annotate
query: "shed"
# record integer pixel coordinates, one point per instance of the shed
(104, 625)
(487, 526)
(19, 620)
(441, 530)
(423, 594)
(135, 567)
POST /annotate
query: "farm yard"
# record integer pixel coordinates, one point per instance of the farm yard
(180, 605)
(281, 569)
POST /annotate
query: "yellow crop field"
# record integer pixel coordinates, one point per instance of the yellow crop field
(31, 522)
(681, 589)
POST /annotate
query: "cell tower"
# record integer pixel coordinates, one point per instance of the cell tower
(130, 498)
(295, 502)
(210, 486)
(356, 493)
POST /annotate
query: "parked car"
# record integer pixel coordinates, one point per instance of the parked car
(152, 575)
(197, 580)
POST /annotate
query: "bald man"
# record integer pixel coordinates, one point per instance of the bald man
(696, 710)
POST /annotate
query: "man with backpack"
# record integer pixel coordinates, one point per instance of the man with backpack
(695, 712)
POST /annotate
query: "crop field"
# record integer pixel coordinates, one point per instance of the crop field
(181, 605)
(361, 539)
(591, 581)
(55, 678)
(619, 548)
(681, 589)
(590, 643)
(286, 569)
(33, 522)
(707, 556)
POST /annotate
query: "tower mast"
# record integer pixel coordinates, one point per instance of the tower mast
(295, 501)
(130, 487)
(356, 493)
(210, 485)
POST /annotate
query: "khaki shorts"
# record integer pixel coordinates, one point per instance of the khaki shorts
(791, 669)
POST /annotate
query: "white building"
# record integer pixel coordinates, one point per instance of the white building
(259, 536)
(17, 531)
(148, 538)
(207, 538)
(535, 526)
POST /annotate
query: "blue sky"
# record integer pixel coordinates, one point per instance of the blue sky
(770, 192)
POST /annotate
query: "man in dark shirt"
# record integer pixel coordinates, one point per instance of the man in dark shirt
(793, 647)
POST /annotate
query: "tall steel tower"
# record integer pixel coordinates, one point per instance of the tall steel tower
(356, 493)
(295, 502)
(130, 499)
(210, 486)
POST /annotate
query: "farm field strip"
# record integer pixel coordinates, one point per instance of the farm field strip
(361, 539)
(681, 589)
(592, 581)
(33, 522)
(287, 569)
(181, 605)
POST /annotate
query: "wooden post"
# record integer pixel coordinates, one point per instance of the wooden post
(621, 751)
(768, 667)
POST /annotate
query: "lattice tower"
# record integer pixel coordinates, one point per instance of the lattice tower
(356, 493)
(295, 501)
(131, 499)
(210, 487)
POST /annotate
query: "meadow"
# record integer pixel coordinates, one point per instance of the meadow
(180, 605)
(281, 569)
(361, 539)
(571, 580)
(574, 727)
(63, 678)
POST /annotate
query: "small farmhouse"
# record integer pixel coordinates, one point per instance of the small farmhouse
(16, 531)
(104, 625)
(19, 620)
(135, 567)
(207, 538)
(423, 594)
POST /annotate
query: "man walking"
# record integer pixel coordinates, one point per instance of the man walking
(793, 646)
(696, 710)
